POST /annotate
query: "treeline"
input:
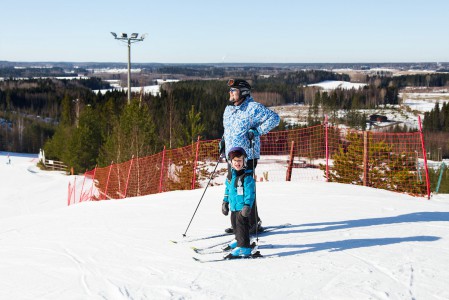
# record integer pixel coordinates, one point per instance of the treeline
(436, 127)
(43, 96)
(12, 72)
(97, 129)
(193, 71)
(291, 85)
(30, 110)
(380, 90)
(85, 129)
(108, 130)
(421, 80)
(23, 133)
(437, 120)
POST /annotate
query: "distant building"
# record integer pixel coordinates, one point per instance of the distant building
(378, 118)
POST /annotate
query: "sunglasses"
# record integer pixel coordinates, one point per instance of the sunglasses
(233, 90)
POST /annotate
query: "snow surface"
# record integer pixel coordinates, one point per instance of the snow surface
(345, 242)
(337, 84)
(148, 89)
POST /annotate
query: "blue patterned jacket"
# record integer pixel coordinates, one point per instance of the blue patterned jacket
(237, 120)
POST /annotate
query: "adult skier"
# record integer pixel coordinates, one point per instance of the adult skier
(244, 121)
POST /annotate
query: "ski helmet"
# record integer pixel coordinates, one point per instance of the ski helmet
(243, 86)
(236, 151)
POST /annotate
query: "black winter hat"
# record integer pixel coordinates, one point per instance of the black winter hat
(243, 86)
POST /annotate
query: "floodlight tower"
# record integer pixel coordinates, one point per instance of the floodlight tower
(133, 38)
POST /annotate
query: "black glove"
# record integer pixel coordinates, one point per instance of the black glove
(246, 210)
(252, 133)
(221, 147)
(225, 208)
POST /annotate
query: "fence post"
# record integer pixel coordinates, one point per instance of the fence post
(290, 163)
(423, 148)
(162, 170)
(74, 190)
(365, 157)
(93, 182)
(195, 162)
(127, 180)
(327, 147)
(82, 186)
(107, 181)
(69, 194)
(418, 171)
(442, 166)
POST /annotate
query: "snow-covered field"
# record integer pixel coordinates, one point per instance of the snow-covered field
(337, 84)
(297, 114)
(414, 103)
(345, 242)
(423, 102)
(148, 89)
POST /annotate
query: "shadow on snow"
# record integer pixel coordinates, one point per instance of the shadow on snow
(348, 244)
(358, 243)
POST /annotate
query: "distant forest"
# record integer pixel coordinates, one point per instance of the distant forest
(84, 129)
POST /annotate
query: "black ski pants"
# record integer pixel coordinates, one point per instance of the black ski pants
(241, 229)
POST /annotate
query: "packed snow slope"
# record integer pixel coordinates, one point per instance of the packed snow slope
(345, 242)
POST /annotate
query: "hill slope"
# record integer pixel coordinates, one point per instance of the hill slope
(345, 242)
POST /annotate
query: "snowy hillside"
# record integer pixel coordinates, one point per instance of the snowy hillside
(337, 84)
(344, 242)
(414, 102)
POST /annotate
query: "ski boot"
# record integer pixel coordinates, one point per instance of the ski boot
(239, 252)
(229, 246)
(229, 230)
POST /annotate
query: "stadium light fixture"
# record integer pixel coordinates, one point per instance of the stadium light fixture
(129, 40)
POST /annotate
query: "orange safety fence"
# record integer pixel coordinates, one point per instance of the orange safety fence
(391, 161)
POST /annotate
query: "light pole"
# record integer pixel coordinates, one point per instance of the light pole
(133, 38)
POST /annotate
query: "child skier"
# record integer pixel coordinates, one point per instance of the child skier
(239, 198)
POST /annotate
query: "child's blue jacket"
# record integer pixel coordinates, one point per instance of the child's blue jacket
(246, 196)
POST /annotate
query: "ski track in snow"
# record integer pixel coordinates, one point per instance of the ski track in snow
(383, 272)
(80, 265)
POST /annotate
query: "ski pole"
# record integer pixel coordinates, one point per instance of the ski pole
(201, 199)
(255, 195)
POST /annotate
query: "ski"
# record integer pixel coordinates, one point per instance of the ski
(212, 251)
(200, 238)
(268, 228)
(255, 255)
(205, 250)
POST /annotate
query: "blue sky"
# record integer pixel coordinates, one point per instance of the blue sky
(208, 31)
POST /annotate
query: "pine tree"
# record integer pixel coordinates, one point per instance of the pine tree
(347, 166)
(386, 168)
(194, 127)
(84, 143)
(133, 134)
